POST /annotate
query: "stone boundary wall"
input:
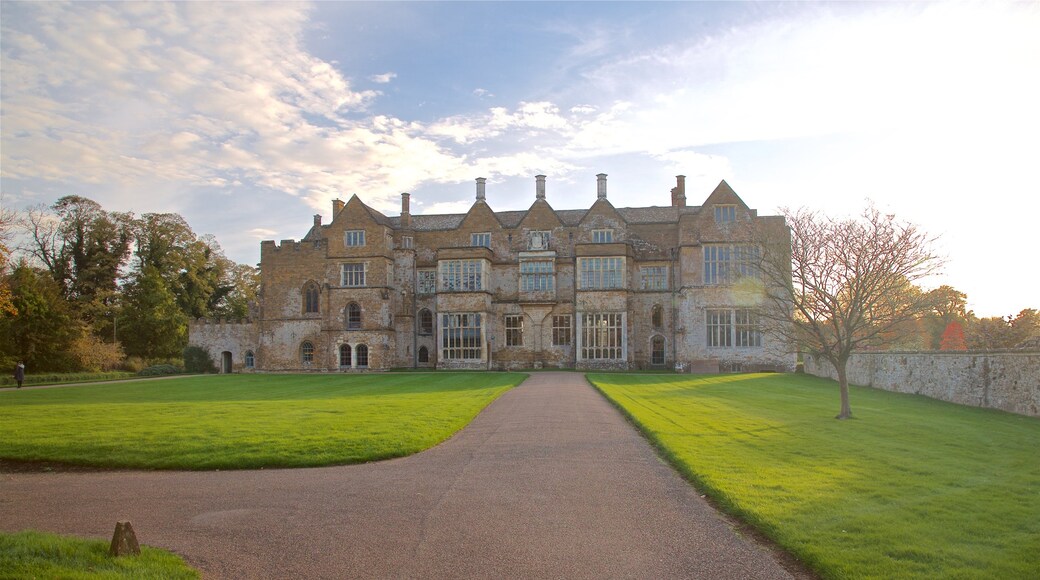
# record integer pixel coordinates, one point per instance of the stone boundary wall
(1008, 380)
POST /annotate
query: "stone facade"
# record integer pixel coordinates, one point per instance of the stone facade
(1009, 381)
(602, 288)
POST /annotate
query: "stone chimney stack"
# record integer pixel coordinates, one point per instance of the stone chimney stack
(406, 215)
(480, 188)
(601, 186)
(317, 220)
(539, 187)
(679, 192)
(337, 206)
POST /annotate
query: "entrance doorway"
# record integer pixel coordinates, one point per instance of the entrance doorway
(225, 362)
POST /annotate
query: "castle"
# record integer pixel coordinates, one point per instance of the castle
(602, 288)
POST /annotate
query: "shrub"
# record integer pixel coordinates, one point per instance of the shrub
(134, 364)
(197, 360)
(95, 355)
(159, 370)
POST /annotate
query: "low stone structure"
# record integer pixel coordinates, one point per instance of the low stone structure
(1009, 381)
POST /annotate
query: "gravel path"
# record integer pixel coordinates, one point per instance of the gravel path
(548, 482)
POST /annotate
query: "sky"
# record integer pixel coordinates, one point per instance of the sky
(249, 118)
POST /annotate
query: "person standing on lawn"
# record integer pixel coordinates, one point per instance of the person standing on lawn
(19, 373)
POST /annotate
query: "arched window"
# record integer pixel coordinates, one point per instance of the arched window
(250, 361)
(362, 356)
(657, 316)
(657, 350)
(310, 298)
(425, 321)
(307, 353)
(344, 355)
(424, 355)
(353, 314)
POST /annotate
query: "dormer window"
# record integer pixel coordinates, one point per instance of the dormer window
(480, 240)
(354, 238)
(725, 214)
(538, 241)
(602, 236)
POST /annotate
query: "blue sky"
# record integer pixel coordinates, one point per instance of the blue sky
(248, 118)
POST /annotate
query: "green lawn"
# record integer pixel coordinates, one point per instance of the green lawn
(910, 488)
(244, 421)
(38, 555)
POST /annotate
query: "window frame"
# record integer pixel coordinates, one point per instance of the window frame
(352, 316)
(427, 286)
(649, 275)
(361, 356)
(718, 324)
(465, 275)
(250, 359)
(407, 242)
(725, 264)
(603, 336)
(603, 236)
(350, 355)
(455, 344)
(349, 279)
(476, 239)
(657, 357)
(601, 273)
(537, 275)
(562, 330)
(514, 329)
(424, 328)
(311, 298)
(725, 213)
(307, 352)
(354, 239)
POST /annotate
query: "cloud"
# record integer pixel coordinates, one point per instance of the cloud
(134, 95)
(383, 78)
(482, 93)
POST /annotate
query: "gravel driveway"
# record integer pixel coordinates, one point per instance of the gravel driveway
(548, 482)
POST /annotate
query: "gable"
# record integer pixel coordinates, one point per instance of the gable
(724, 195)
(540, 216)
(480, 218)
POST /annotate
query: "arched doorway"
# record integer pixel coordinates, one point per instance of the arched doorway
(225, 362)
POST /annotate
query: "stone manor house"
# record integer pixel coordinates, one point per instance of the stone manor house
(597, 288)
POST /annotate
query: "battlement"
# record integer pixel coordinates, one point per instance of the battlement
(270, 246)
(221, 321)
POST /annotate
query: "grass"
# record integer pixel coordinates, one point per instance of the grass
(244, 421)
(38, 555)
(909, 488)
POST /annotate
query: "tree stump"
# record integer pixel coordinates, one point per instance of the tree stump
(124, 541)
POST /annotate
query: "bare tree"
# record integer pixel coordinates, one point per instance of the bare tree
(845, 284)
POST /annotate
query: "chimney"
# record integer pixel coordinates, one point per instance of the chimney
(480, 188)
(406, 216)
(539, 187)
(679, 193)
(317, 220)
(337, 205)
(601, 185)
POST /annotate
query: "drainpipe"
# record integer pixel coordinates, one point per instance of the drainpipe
(415, 315)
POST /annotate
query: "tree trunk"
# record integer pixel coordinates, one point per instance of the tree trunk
(843, 386)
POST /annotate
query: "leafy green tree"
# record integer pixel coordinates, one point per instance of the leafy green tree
(152, 324)
(42, 327)
(243, 282)
(84, 248)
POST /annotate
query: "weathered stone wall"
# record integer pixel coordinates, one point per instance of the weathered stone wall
(1009, 381)
(395, 249)
(220, 336)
